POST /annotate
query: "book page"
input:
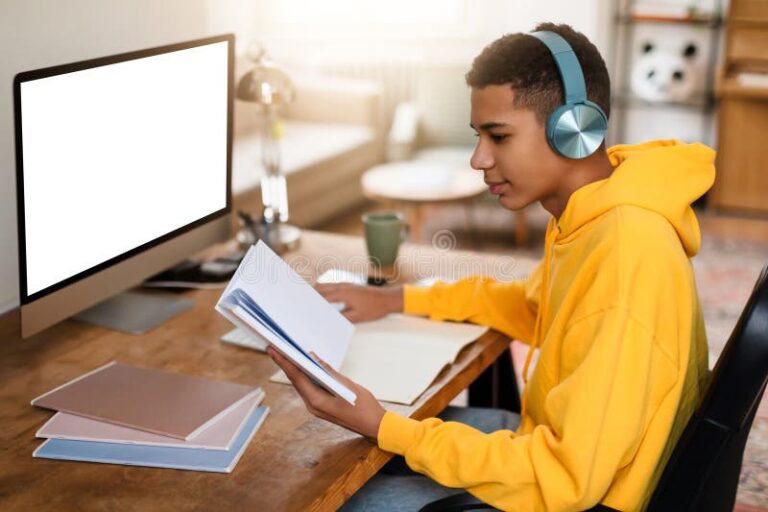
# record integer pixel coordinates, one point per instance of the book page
(397, 357)
(292, 304)
(268, 298)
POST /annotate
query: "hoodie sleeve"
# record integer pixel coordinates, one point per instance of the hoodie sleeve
(510, 308)
(597, 417)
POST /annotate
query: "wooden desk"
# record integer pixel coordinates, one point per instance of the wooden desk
(295, 462)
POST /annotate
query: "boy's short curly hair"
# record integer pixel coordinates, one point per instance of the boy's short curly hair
(523, 62)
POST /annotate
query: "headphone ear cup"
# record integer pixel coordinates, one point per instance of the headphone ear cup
(576, 131)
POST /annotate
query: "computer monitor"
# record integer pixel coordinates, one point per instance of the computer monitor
(123, 168)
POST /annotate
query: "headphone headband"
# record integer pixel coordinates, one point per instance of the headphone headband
(577, 128)
(567, 64)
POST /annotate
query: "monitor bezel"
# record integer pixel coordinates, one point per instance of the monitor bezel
(47, 72)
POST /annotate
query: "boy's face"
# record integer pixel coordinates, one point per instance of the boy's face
(512, 150)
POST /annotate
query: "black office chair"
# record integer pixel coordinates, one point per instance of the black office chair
(702, 473)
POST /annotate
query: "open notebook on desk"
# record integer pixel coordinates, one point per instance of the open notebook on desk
(414, 349)
(267, 298)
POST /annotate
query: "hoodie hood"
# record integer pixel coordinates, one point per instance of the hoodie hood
(665, 176)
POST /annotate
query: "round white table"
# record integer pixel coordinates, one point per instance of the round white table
(416, 184)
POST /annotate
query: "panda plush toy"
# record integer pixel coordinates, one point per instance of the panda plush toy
(666, 74)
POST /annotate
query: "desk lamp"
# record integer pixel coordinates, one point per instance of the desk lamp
(270, 88)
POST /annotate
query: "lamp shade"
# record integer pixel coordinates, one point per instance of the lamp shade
(265, 84)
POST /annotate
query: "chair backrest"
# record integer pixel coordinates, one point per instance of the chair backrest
(703, 472)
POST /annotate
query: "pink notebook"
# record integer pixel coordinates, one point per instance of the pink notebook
(219, 436)
(168, 404)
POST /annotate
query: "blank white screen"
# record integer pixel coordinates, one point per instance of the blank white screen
(119, 155)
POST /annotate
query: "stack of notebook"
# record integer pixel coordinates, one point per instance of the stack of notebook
(123, 414)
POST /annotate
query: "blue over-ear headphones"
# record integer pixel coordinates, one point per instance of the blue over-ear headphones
(577, 128)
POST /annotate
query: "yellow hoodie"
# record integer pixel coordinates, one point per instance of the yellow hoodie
(614, 309)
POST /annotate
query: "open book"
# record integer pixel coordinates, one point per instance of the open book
(417, 347)
(267, 298)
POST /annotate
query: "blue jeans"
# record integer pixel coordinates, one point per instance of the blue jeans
(396, 488)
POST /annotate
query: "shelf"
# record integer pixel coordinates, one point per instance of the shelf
(713, 22)
(747, 22)
(746, 62)
(731, 88)
(631, 17)
(629, 100)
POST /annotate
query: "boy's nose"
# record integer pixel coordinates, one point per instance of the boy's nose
(481, 158)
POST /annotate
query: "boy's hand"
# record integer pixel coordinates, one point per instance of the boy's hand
(364, 417)
(364, 303)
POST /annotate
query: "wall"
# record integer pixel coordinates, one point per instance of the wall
(446, 41)
(420, 52)
(38, 33)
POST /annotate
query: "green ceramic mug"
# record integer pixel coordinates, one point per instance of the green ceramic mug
(384, 232)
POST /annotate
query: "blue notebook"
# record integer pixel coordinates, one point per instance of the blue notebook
(195, 459)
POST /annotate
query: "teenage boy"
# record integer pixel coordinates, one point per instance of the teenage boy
(612, 306)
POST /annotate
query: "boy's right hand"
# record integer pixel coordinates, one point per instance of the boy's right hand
(363, 303)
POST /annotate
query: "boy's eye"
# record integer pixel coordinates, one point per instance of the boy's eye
(495, 137)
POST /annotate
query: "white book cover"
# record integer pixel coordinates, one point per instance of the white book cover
(267, 297)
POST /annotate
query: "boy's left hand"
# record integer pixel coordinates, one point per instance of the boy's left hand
(364, 417)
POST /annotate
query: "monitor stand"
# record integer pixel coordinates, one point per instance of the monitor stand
(134, 313)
